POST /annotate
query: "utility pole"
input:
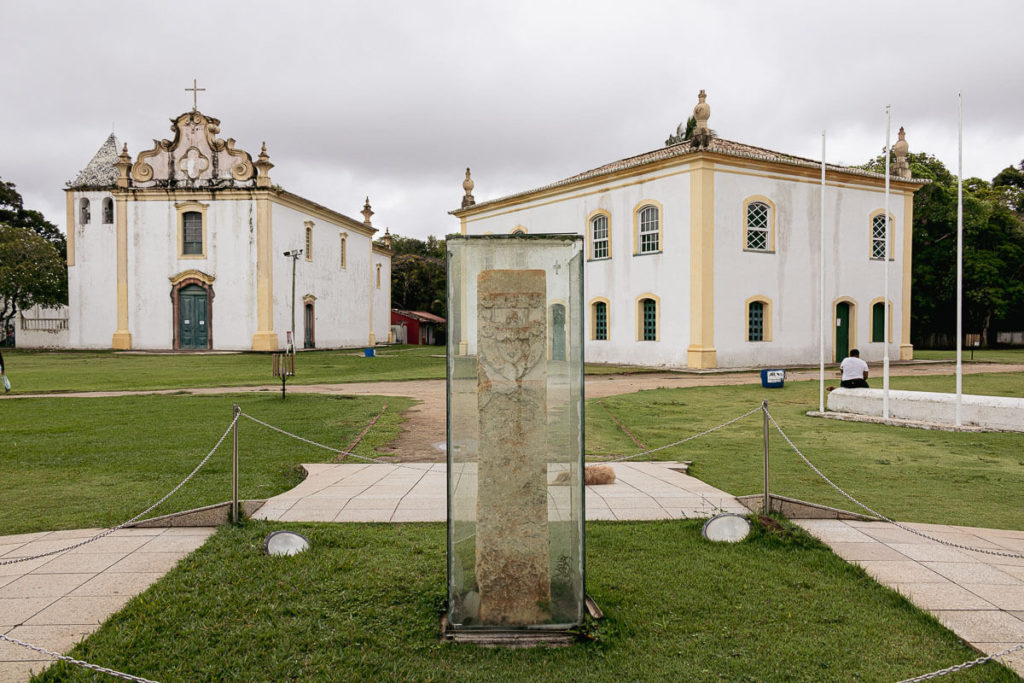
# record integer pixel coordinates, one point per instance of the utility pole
(294, 255)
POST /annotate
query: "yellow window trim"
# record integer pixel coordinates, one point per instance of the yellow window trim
(309, 240)
(183, 208)
(636, 226)
(766, 322)
(518, 230)
(638, 307)
(344, 250)
(771, 223)
(590, 233)
(892, 234)
(607, 318)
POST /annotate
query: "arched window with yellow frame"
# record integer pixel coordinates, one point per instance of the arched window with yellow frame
(599, 318)
(758, 312)
(648, 318)
(648, 224)
(599, 235)
(878, 229)
(759, 224)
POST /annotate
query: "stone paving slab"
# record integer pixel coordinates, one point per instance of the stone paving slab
(978, 596)
(54, 602)
(416, 492)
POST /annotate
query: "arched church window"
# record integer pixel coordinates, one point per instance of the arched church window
(649, 232)
(108, 210)
(192, 232)
(309, 240)
(378, 276)
(599, 237)
(759, 224)
(83, 211)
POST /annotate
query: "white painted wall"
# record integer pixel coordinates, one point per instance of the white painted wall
(92, 281)
(342, 306)
(990, 412)
(788, 277)
(42, 328)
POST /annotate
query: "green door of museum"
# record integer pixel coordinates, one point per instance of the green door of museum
(842, 330)
(192, 323)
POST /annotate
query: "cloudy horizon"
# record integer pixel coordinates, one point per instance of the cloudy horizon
(394, 100)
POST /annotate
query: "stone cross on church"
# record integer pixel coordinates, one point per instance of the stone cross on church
(195, 90)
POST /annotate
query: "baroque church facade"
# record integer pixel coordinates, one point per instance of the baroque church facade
(704, 253)
(184, 247)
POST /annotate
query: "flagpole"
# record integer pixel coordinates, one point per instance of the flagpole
(959, 255)
(885, 266)
(821, 287)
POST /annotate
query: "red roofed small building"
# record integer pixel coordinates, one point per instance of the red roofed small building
(420, 327)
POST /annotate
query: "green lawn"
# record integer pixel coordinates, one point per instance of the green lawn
(363, 604)
(980, 355)
(39, 371)
(71, 463)
(966, 478)
(34, 372)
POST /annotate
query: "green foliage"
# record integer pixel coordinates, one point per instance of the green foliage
(418, 275)
(362, 604)
(33, 269)
(993, 264)
(14, 214)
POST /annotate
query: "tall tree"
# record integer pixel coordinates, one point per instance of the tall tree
(13, 213)
(418, 274)
(993, 265)
(33, 269)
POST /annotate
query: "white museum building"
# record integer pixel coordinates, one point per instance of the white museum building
(184, 248)
(704, 253)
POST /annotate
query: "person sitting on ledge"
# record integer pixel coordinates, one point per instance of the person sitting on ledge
(855, 371)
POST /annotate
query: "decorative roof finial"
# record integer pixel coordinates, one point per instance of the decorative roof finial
(263, 167)
(123, 163)
(367, 212)
(387, 238)
(902, 168)
(468, 185)
(701, 113)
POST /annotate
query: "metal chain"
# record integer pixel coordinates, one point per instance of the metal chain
(689, 438)
(134, 519)
(965, 665)
(375, 461)
(878, 514)
(87, 665)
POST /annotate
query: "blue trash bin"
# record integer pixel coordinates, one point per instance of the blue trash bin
(773, 379)
(368, 353)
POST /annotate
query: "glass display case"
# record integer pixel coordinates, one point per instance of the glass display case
(515, 432)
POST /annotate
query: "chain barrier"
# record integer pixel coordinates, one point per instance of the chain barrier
(965, 665)
(134, 519)
(880, 515)
(78, 662)
(689, 438)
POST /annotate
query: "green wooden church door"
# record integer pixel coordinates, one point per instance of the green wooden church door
(192, 330)
(842, 330)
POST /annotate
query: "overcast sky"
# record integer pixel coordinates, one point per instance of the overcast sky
(395, 99)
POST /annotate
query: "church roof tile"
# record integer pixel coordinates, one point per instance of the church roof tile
(716, 145)
(100, 171)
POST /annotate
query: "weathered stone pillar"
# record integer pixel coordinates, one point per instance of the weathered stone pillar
(512, 554)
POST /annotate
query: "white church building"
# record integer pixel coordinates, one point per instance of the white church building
(184, 247)
(704, 253)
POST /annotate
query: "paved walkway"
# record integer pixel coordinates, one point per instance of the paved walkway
(978, 596)
(415, 492)
(55, 601)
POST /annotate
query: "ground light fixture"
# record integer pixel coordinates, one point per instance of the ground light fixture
(726, 527)
(285, 542)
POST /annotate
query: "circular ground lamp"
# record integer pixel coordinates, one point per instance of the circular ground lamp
(285, 543)
(726, 527)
